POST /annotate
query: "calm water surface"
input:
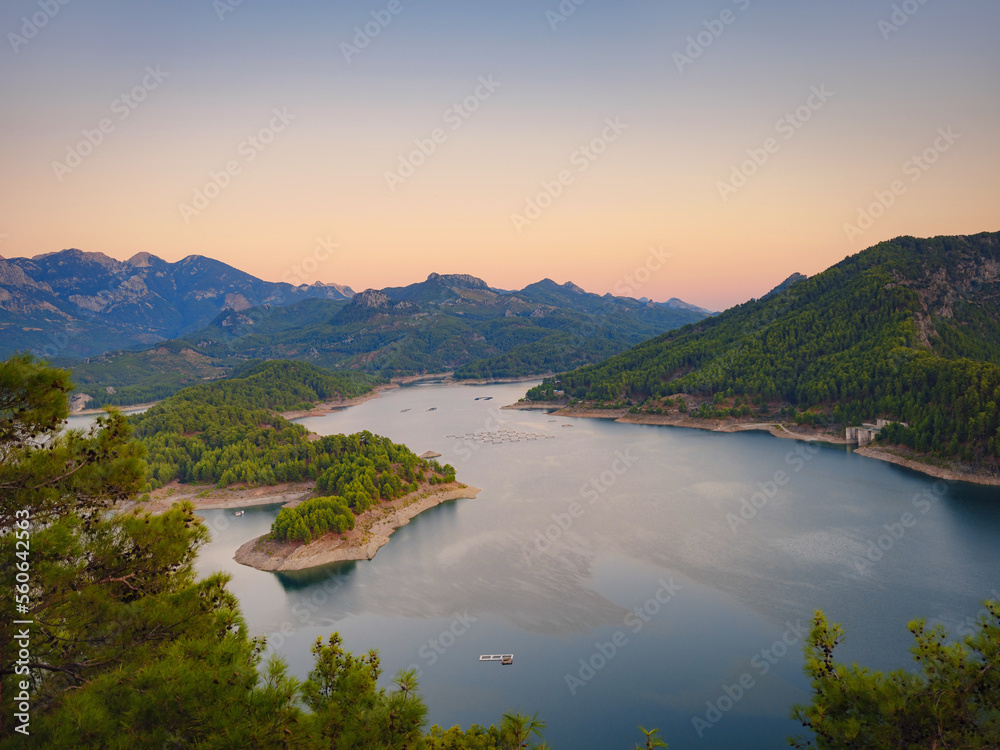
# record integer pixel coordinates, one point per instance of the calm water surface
(614, 562)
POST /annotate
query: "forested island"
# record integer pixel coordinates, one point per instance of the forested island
(230, 434)
(907, 331)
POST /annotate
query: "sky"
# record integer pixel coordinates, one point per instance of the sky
(701, 150)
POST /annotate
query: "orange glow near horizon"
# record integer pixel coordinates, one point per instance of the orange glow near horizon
(318, 168)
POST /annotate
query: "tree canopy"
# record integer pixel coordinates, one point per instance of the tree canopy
(951, 700)
(907, 330)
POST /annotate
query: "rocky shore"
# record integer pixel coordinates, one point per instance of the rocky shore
(891, 454)
(372, 530)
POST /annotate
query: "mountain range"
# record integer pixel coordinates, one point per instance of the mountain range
(80, 304)
(225, 319)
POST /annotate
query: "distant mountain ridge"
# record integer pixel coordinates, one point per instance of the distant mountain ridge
(448, 322)
(75, 303)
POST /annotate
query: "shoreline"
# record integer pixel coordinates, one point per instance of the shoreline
(940, 472)
(777, 429)
(499, 381)
(372, 531)
(123, 409)
(210, 497)
(322, 408)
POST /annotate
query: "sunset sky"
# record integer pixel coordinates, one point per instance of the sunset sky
(247, 130)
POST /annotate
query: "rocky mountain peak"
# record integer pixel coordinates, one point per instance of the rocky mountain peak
(143, 260)
(463, 280)
(371, 299)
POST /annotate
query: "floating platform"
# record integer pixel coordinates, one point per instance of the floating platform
(505, 659)
(498, 437)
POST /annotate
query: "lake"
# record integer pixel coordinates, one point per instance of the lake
(639, 574)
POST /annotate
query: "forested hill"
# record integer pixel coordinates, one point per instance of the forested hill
(229, 432)
(908, 330)
(277, 386)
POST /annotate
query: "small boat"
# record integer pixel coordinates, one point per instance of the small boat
(504, 659)
(238, 513)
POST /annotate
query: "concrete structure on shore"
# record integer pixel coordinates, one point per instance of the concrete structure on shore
(864, 434)
(861, 435)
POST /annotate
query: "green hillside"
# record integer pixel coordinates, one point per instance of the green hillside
(230, 432)
(908, 330)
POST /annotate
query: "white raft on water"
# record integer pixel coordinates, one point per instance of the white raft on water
(505, 659)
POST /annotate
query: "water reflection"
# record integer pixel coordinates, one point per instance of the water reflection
(294, 580)
(570, 535)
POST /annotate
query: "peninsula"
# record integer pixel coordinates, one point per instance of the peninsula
(371, 531)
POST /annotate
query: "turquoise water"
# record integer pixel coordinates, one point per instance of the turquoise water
(623, 569)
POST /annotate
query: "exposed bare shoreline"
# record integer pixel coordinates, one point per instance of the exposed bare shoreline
(323, 408)
(778, 429)
(372, 530)
(941, 472)
(88, 412)
(326, 407)
(210, 497)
